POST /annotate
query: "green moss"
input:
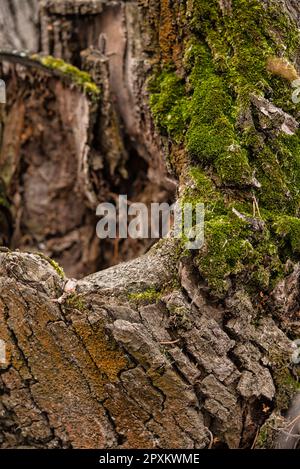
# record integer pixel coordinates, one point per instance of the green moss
(206, 142)
(233, 167)
(168, 103)
(148, 296)
(233, 159)
(286, 385)
(204, 186)
(211, 136)
(79, 77)
(243, 40)
(75, 301)
(179, 317)
(232, 248)
(58, 268)
(225, 63)
(288, 229)
(277, 167)
(203, 191)
(53, 263)
(268, 433)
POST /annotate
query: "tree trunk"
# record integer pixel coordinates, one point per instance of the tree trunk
(173, 348)
(19, 25)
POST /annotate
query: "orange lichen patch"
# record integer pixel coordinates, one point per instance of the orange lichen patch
(103, 350)
(282, 68)
(129, 420)
(168, 38)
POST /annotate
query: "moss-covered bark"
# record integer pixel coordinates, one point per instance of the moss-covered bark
(248, 157)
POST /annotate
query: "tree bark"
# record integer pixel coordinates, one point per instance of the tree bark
(19, 25)
(173, 348)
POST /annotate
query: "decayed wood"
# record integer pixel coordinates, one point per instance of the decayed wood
(119, 139)
(46, 140)
(54, 199)
(119, 32)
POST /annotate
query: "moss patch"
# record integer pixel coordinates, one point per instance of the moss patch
(148, 296)
(233, 249)
(286, 385)
(225, 64)
(75, 301)
(288, 229)
(268, 433)
(79, 77)
(168, 103)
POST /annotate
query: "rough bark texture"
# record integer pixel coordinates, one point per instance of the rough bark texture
(110, 366)
(173, 349)
(19, 24)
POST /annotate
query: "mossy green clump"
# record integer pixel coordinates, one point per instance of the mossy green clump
(226, 62)
(57, 267)
(268, 433)
(288, 229)
(286, 387)
(201, 190)
(203, 186)
(232, 248)
(286, 384)
(223, 80)
(204, 114)
(179, 317)
(151, 295)
(243, 39)
(168, 103)
(262, 439)
(77, 76)
(211, 137)
(277, 168)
